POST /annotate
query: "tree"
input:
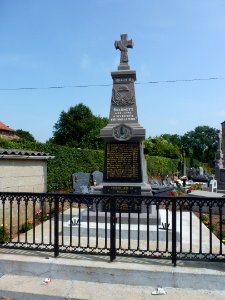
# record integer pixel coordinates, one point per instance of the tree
(79, 128)
(173, 139)
(200, 143)
(158, 146)
(25, 135)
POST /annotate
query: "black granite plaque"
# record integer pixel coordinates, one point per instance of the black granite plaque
(125, 205)
(134, 190)
(122, 162)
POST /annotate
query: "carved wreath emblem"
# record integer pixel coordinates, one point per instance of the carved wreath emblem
(122, 132)
(122, 95)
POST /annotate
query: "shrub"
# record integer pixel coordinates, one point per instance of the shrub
(212, 227)
(157, 165)
(4, 235)
(26, 227)
(223, 237)
(67, 161)
(204, 218)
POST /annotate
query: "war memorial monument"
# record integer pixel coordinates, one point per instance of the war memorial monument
(125, 169)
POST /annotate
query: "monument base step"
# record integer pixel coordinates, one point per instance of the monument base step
(221, 191)
(124, 218)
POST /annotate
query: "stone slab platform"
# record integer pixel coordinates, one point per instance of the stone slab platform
(124, 218)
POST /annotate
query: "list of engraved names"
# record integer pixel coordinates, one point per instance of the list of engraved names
(123, 162)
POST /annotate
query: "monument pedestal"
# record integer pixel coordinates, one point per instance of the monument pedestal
(125, 164)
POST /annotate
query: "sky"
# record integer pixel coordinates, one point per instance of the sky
(50, 43)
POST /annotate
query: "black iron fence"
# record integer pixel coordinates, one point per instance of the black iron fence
(176, 228)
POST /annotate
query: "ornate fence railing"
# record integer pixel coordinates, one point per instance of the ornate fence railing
(176, 228)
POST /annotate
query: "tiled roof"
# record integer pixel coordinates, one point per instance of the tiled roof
(4, 127)
(22, 152)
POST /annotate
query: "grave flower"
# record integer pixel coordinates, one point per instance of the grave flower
(171, 194)
(38, 212)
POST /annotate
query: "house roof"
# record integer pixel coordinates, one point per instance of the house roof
(23, 154)
(5, 127)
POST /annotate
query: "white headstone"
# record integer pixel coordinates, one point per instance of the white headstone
(213, 186)
(201, 171)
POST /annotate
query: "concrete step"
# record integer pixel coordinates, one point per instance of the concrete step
(124, 270)
(16, 287)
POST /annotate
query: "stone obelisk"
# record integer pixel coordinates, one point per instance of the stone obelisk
(124, 166)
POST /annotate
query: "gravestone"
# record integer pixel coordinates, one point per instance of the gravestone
(97, 177)
(213, 185)
(81, 182)
(201, 171)
(124, 163)
(158, 188)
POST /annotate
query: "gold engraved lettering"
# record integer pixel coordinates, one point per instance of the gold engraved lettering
(123, 161)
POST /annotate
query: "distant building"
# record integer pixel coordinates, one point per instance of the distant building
(8, 133)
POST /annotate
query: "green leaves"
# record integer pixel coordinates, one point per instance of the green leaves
(79, 128)
(160, 147)
(25, 135)
(157, 165)
(67, 161)
(200, 143)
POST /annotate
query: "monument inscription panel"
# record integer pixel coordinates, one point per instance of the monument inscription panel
(125, 190)
(122, 162)
(123, 114)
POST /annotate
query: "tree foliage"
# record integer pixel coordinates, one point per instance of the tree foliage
(158, 146)
(25, 135)
(79, 128)
(200, 143)
(173, 139)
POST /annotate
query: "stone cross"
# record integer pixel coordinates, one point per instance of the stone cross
(122, 46)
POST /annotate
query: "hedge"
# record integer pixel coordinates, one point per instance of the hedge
(157, 165)
(69, 160)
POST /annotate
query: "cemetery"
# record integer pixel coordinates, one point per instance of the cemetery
(112, 150)
(121, 210)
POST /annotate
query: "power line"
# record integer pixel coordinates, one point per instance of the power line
(104, 85)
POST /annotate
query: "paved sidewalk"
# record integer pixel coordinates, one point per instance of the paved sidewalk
(29, 288)
(84, 277)
(93, 277)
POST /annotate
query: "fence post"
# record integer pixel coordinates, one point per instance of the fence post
(56, 226)
(112, 228)
(174, 234)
